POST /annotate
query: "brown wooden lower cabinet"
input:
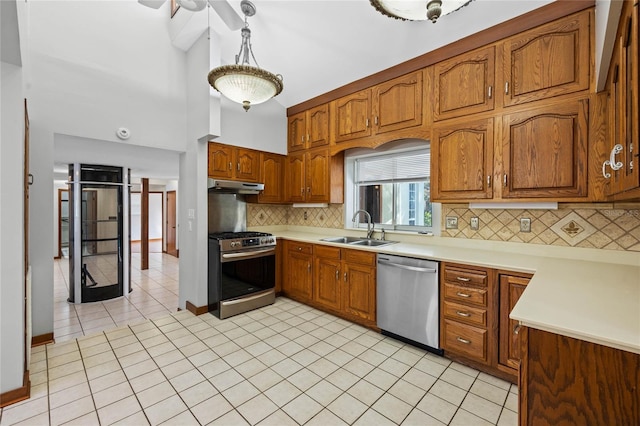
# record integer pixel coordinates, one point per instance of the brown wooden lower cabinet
(337, 280)
(511, 288)
(566, 381)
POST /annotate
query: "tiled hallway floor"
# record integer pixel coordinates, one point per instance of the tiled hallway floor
(155, 294)
(283, 364)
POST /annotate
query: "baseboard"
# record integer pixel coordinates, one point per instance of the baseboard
(17, 395)
(42, 339)
(197, 310)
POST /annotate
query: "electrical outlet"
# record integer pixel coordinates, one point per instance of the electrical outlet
(525, 224)
(305, 215)
(451, 222)
(474, 223)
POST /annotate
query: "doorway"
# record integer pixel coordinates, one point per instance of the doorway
(63, 223)
(156, 216)
(172, 247)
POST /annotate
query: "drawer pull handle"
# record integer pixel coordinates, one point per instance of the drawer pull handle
(463, 294)
(299, 248)
(464, 280)
(337, 274)
(463, 314)
(516, 329)
(465, 341)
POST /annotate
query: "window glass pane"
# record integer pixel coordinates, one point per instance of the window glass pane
(378, 201)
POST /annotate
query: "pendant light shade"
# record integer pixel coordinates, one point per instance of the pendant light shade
(243, 83)
(417, 10)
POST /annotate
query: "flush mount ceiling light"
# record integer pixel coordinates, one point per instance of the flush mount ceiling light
(242, 82)
(418, 10)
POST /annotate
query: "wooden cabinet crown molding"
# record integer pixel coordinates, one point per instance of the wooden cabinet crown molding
(535, 18)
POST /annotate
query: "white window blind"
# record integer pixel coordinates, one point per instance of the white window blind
(405, 167)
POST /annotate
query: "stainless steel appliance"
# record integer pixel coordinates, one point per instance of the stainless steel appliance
(408, 300)
(241, 274)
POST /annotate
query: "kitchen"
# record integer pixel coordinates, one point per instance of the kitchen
(334, 213)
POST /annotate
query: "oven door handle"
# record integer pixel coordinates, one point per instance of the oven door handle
(247, 254)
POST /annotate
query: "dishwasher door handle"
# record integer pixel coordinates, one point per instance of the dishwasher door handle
(407, 267)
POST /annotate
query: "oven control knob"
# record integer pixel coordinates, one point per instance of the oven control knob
(234, 243)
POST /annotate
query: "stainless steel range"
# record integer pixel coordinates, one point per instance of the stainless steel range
(242, 267)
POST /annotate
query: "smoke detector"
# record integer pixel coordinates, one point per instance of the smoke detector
(123, 133)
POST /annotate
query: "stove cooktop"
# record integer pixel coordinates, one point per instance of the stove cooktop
(236, 235)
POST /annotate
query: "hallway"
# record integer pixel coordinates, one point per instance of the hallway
(154, 295)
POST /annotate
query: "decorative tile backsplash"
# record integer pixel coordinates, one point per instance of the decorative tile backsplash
(321, 217)
(591, 226)
(572, 225)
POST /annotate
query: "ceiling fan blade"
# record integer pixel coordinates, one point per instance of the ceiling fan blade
(154, 4)
(193, 5)
(228, 15)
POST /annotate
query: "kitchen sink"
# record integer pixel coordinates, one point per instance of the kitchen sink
(355, 241)
(372, 243)
(343, 240)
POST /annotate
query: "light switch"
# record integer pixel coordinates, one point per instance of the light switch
(191, 214)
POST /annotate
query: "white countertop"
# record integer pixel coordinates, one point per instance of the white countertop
(588, 294)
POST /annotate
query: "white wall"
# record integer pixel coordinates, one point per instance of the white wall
(11, 237)
(155, 215)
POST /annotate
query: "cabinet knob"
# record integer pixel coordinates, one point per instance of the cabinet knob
(504, 180)
(506, 88)
(337, 274)
(490, 92)
(229, 165)
(299, 248)
(238, 166)
(488, 181)
(345, 277)
(366, 122)
(375, 120)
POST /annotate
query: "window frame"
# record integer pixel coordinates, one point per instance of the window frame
(352, 192)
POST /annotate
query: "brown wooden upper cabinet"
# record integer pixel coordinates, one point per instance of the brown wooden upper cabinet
(624, 106)
(462, 161)
(308, 129)
(464, 85)
(547, 61)
(230, 162)
(314, 176)
(544, 152)
(390, 106)
(272, 175)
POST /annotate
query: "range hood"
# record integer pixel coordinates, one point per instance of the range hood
(233, 187)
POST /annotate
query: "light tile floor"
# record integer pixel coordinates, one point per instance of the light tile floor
(285, 364)
(155, 294)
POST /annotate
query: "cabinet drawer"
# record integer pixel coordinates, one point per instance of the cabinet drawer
(300, 247)
(462, 294)
(463, 313)
(361, 257)
(465, 276)
(327, 252)
(465, 340)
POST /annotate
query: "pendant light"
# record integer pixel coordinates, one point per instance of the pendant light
(418, 10)
(243, 83)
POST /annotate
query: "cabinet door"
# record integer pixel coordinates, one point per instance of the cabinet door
(272, 175)
(296, 132)
(317, 179)
(629, 174)
(359, 298)
(351, 116)
(318, 126)
(462, 161)
(220, 161)
(299, 275)
(327, 283)
(548, 61)
(464, 85)
(247, 165)
(295, 178)
(511, 288)
(397, 104)
(544, 152)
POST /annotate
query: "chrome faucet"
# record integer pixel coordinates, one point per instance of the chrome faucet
(370, 224)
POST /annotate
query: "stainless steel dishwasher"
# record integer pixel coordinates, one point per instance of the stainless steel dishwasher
(408, 300)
